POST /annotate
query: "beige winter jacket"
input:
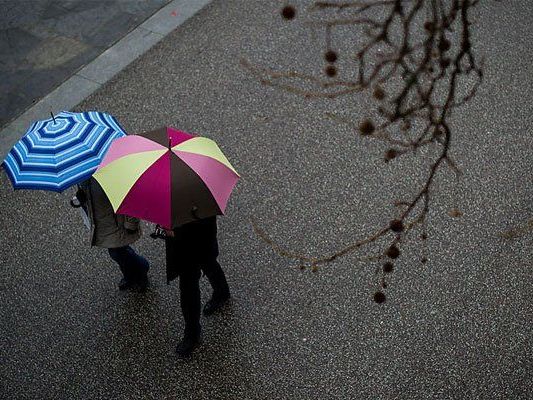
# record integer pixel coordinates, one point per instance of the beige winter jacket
(108, 229)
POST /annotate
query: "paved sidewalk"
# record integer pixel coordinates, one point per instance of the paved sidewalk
(100, 70)
(43, 42)
(457, 327)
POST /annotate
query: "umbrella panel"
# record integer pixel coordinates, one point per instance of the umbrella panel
(167, 192)
(189, 192)
(149, 197)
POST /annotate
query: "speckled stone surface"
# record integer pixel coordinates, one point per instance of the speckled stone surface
(458, 327)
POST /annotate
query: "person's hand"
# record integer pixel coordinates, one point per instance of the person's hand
(81, 196)
(169, 232)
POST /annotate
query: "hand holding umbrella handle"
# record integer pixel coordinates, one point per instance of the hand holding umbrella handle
(161, 233)
(79, 199)
(75, 203)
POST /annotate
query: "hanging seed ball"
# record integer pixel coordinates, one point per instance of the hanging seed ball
(423, 260)
(388, 267)
(445, 62)
(424, 236)
(330, 56)
(379, 93)
(393, 252)
(379, 297)
(390, 154)
(314, 268)
(288, 12)
(396, 225)
(444, 45)
(428, 26)
(330, 71)
(366, 127)
(302, 267)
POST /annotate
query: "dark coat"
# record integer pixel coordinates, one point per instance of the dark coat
(193, 244)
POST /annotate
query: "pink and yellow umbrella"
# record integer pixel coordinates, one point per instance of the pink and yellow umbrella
(167, 177)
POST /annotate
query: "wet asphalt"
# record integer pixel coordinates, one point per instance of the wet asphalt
(457, 327)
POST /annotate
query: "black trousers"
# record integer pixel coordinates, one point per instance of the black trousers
(189, 282)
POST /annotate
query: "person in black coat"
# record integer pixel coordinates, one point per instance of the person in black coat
(191, 249)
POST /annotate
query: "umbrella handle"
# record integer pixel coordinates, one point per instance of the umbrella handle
(194, 212)
(158, 233)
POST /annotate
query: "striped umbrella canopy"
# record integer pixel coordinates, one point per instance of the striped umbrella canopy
(166, 176)
(59, 152)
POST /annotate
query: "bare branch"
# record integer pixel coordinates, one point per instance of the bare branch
(415, 59)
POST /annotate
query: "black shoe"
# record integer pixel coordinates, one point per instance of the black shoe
(141, 285)
(187, 345)
(215, 303)
(125, 284)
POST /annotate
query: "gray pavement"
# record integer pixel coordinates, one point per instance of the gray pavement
(458, 327)
(44, 42)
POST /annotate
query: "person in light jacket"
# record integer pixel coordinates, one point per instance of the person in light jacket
(115, 232)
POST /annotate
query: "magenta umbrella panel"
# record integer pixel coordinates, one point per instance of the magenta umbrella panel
(167, 176)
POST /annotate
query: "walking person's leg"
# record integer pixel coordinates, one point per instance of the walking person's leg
(133, 266)
(190, 306)
(120, 256)
(140, 267)
(221, 293)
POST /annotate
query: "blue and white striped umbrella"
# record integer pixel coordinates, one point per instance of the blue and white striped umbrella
(61, 151)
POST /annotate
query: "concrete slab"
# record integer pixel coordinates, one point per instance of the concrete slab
(97, 72)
